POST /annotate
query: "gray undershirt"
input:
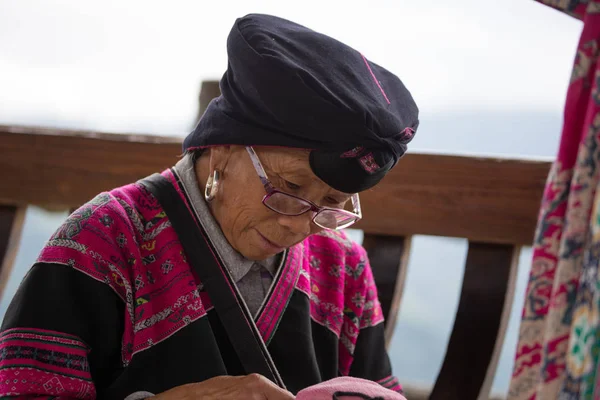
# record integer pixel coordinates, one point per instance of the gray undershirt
(253, 278)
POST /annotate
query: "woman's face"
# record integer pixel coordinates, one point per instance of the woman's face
(252, 229)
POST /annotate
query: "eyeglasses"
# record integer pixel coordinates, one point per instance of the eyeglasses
(288, 204)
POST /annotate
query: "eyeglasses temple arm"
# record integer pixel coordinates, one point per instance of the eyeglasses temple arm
(356, 205)
(259, 169)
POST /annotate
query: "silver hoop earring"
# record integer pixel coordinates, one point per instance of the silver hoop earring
(212, 186)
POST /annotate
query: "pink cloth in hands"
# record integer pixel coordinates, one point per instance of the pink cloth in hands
(348, 388)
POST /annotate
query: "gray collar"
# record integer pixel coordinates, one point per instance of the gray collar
(237, 264)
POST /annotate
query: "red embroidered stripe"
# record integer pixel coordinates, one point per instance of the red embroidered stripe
(271, 316)
(41, 362)
(391, 382)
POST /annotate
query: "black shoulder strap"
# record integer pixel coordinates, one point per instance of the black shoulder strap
(243, 335)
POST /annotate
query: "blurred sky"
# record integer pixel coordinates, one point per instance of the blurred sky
(137, 65)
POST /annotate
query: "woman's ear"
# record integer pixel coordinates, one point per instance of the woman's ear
(219, 157)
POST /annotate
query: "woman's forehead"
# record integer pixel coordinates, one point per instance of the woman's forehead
(288, 161)
(294, 163)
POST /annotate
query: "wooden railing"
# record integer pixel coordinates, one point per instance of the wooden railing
(491, 202)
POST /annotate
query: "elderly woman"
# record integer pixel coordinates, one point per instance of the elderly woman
(228, 275)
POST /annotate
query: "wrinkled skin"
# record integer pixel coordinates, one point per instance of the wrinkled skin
(246, 223)
(238, 206)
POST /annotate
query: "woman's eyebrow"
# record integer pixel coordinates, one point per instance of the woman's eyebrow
(297, 173)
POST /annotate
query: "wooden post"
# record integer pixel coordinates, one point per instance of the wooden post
(481, 319)
(388, 256)
(208, 91)
(427, 194)
(11, 226)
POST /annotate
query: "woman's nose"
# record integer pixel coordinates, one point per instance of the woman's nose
(298, 224)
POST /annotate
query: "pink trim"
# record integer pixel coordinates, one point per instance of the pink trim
(408, 131)
(396, 388)
(249, 321)
(375, 79)
(354, 388)
(352, 153)
(274, 308)
(390, 382)
(169, 174)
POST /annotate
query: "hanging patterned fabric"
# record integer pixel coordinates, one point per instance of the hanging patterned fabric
(557, 353)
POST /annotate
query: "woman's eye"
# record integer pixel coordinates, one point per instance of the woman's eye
(291, 185)
(331, 200)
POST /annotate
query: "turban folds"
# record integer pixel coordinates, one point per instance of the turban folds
(289, 86)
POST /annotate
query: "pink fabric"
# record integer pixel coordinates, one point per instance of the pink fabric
(341, 388)
(124, 239)
(40, 362)
(557, 353)
(339, 283)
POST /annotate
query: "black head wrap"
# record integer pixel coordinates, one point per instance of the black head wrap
(289, 86)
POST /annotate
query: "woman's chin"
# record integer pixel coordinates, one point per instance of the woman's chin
(257, 254)
(254, 252)
(257, 247)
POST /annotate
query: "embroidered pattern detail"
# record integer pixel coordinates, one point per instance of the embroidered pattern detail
(358, 300)
(558, 353)
(157, 231)
(133, 216)
(121, 240)
(67, 243)
(342, 291)
(355, 271)
(139, 283)
(407, 133)
(166, 267)
(106, 220)
(150, 277)
(124, 239)
(315, 263)
(368, 163)
(148, 259)
(75, 223)
(352, 153)
(335, 270)
(147, 268)
(57, 362)
(78, 219)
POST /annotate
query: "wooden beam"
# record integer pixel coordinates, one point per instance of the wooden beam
(481, 320)
(388, 256)
(481, 199)
(208, 91)
(11, 227)
(59, 168)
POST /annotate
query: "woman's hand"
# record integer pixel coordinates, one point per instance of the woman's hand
(251, 387)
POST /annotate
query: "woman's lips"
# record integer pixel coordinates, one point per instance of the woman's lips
(268, 245)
